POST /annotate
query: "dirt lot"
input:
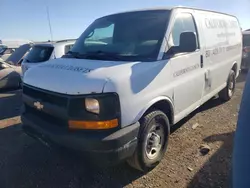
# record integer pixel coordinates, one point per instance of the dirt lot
(26, 163)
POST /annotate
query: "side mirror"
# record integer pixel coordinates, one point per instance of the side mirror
(188, 42)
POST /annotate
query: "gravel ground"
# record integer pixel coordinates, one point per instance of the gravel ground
(26, 163)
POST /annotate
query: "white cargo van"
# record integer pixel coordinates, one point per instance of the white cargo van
(130, 77)
(43, 52)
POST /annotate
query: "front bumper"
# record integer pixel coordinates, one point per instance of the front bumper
(104, 147)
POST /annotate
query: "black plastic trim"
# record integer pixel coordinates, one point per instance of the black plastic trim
(75, 107)
(111, 146)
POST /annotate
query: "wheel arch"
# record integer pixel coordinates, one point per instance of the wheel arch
(235, 68)
(162, 103)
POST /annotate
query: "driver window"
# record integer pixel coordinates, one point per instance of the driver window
(101, 35)
(184, 22)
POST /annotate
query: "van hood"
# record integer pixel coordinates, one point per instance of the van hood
(75, 76)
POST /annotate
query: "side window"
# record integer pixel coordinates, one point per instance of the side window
(67, 48)
(184, 22)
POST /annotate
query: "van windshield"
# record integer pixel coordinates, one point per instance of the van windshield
(132, 36)
(39, 54)
(246, 40)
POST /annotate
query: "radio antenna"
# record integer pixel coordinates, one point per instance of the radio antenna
(50, 29)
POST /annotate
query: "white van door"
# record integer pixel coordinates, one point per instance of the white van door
(188, 75)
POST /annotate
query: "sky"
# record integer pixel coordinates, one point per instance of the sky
(27, 19)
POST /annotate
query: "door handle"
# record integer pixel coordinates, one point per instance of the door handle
(201, 61)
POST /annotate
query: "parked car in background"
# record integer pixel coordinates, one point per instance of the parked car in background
(245, 65)
(7, 47)
(18, 56)
(6, 51)
(10, 70)
(10, 76)
(130, 77)
(43, 52)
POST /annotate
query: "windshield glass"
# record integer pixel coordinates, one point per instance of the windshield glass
(246, 40)
(2, 49)
(128, 36)
(18, 54)
(39, 54)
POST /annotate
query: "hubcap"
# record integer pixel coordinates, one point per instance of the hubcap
(154, 142)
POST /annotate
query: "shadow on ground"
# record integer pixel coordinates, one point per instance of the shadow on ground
(10, 103)
(242, 77)
(26, 163)
(212, 103)
(216, 171)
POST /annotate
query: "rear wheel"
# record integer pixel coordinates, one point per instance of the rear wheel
(152, 141)
(227, 93)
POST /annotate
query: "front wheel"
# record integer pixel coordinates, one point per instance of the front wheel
(227, 93)
(152, 141)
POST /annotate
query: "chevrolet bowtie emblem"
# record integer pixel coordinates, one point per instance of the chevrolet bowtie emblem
(38, 105)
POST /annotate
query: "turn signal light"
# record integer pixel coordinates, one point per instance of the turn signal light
(93, 125)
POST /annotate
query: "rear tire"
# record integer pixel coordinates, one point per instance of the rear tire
(152, 141)
(227, 93)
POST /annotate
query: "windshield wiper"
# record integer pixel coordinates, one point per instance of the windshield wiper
(73, 54)
(99, 55)
(103, 55)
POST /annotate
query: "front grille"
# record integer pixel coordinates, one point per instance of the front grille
(46, 96)
(46, 117)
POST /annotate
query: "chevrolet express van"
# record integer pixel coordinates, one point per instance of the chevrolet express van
(130, 77)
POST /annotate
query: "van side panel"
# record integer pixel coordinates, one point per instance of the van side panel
(188, 75)
(147, 81)
(220, 47)
(223, 48)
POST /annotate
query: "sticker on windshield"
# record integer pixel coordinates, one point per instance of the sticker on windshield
(67, 67)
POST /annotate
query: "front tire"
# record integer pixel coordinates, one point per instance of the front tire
(227, 93)
(152, 141)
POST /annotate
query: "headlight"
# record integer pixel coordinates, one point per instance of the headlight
(92, 105)
(94, 111)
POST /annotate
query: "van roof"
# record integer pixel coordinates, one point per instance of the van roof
(55, 43)
(171, 8)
